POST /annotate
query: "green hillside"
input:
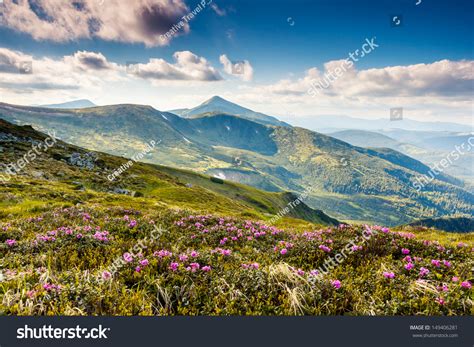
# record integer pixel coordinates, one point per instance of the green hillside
(54, 177)
(347, 182)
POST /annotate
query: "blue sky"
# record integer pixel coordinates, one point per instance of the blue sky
(280, 41)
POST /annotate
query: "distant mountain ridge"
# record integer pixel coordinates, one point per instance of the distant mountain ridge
(218, 105)
(333, 123)
(82, 103)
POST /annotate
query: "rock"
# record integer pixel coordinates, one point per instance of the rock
(37, 174)
(85, 161)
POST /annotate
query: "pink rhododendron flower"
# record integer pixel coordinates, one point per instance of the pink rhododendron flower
(405, 251)
(10, 242)
(455, 279)
(144, 262)
(424, 271)
(127, 257)
(409, 266)
(206, 268)
(466, 284)
(106, 275)
(132, 224)
(194, 254)
(336, 284)
(138, 269)
(435, 262)
(446, 263)
(283, 251)
(174, 266)
(440, 301)
(324, 248)
(443, 288)
(388, 275)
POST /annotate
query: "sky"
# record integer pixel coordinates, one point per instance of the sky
(284, 58)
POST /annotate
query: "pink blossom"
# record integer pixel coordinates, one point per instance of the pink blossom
(409, 266)
(466, 284)
(455, 279)
(194, 254)
(106, 275)
(435, 262)
(424, 271)
(144, 262)
(174, 266)
(132, 224)
(206, 268)
(314, 272)
(183, 257)
(127, 257)
(336, 284)
(388, 275)
(324, 248)
(138, 269)
(283, 251)
(407, 259)
(356, 248)
(446, 263)
(443, 288)
(10, 242)
(440, 301)
(405, 251)
(31, 293)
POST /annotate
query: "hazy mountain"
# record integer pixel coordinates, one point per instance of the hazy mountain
(83, 103)
(430, 147)
(219, 105)
(346, 181)
(363, 138)
(330, 124)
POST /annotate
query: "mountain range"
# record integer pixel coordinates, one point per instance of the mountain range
(347, 182)
(218, 105)
(430, 147)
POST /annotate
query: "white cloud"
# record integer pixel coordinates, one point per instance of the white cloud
(443, 78)
(241, 69)
(188, 67)
(137, 21)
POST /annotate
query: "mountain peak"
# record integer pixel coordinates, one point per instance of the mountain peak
(217, 100)
(217, 104)
(81, 103)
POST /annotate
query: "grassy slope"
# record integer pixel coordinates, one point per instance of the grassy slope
(54, 204)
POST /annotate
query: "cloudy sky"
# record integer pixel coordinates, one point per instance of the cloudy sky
(284, 58)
